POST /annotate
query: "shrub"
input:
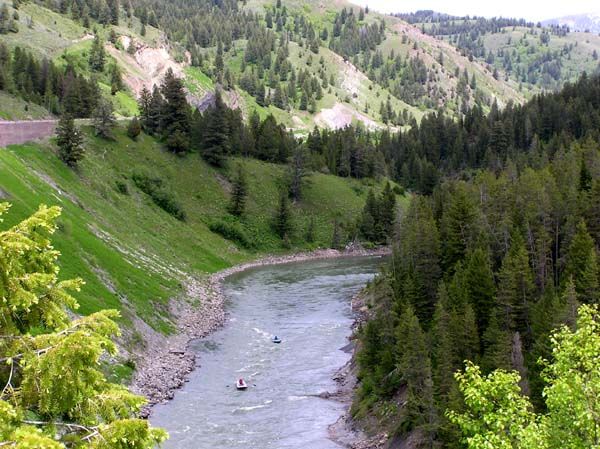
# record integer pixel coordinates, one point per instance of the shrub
(399, 190)
(232, 231)
(122, 188)
(153, 187)
(134, 128)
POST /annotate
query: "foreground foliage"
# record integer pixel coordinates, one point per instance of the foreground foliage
(497, 415)
(54, 394)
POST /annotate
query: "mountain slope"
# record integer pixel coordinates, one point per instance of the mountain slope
(527, 55)
(419, 63)
(580, 22)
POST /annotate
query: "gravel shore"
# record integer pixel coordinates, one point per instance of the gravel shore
(345, 431)
(166, 363)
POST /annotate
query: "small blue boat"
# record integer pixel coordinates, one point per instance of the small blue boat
(276, 339)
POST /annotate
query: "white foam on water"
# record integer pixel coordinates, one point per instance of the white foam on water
(297, 398)
(261, 332)
(249, 408)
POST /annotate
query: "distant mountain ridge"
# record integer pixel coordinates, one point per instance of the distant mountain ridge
(578, 22)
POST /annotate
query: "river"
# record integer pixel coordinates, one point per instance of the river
(307, 305)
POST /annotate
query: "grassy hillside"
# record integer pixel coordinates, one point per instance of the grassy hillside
(133, 255)
(14, 108)
(574, 53)
(533, 57)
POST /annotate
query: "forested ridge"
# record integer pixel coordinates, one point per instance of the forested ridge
(501, 250)
(527, 52)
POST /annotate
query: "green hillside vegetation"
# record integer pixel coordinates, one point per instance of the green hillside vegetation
(15, 108)
(134, 255)
(502, 250)
(47, 34)
(534, 56)
(389, 75)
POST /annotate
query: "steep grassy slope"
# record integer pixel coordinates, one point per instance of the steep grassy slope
(444, 61)
(14, 108)
(132, 254)
(54, 36)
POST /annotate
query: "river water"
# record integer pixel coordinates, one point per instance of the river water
(307, 305)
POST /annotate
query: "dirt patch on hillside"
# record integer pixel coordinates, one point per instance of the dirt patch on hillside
(147, 66)
(352, 78)
(341, 115)
(85, 37)
(156, 62)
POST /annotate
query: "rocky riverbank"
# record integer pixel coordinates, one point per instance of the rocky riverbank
(346, 431)
(165, 364)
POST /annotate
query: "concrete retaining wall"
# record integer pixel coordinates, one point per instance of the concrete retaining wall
(25, 131)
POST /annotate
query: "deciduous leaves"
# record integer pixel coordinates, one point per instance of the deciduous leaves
(498, 416)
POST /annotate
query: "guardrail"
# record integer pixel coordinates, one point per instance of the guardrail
(16, 132)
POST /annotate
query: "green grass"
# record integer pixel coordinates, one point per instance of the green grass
(196, 81)
(131, 253)
(77, 55)
(43, 31)
(14, 108)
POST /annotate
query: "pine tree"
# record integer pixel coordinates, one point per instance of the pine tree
(297, 173)
(219, 64)
(443, 358)
(304, 101)
(418, 256)
(155, 112)
(144, 102)
(175, 118)
(582, 265)
(585, 177)
(465, 335)
(592, 211)
(103, 119)
(55, 394)
(515, 287)
(282, 222)
(116, 79)
(414, 366)
(97, 55)
(481, 285)
(387, 210)
(279, 99)
(497, 343)
(459, 227)
(237, 204)
(70, 141)
(215, 137)
(113, 6)
(370, 218)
